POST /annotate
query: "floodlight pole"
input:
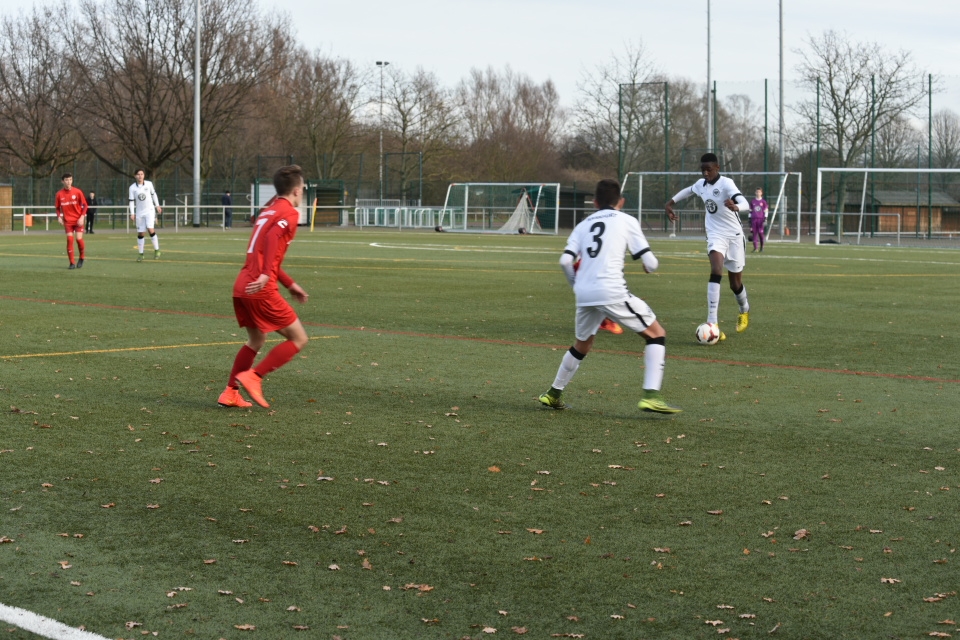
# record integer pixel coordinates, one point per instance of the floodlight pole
(781, 88)
(709, 96)
(381, 64)
(196, 121)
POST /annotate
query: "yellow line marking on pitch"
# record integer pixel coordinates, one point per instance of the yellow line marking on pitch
(153, 348)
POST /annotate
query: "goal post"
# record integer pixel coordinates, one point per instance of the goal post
(887, 206)
(503, 207)
(645, 192)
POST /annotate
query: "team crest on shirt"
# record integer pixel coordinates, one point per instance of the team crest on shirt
(716, 192)
(141, 197)
(711, 206)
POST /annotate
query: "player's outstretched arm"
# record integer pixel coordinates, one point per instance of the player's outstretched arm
(567, 264)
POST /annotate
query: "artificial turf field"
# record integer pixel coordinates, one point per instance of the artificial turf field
(405, 483)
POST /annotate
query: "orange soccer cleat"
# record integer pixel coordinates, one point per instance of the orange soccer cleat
(611, 326)
(231, 398)
(250, 381)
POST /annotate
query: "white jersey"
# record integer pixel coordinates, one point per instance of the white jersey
(600, 242)
(143, 199)
(719, 220)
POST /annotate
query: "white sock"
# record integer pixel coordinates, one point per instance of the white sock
(654, 356)
(140, 245)
(742, 300)
(713, 301)
(568, 367)
(156, 242)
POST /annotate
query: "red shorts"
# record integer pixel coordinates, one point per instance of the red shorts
(72, 225)
(266, 314)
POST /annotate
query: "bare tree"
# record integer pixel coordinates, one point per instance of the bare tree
(862, 86)
(322, 98)
(946, 145)
(621, 109)
(897, 143)
(36, 92)
(136, 60)
(511, 124)
(741, 133)
(421, 117)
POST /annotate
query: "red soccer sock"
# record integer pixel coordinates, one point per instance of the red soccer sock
(70, 248)
(278, 356)
(242, 362)
(83, 248)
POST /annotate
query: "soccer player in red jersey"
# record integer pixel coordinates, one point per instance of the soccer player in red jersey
(71, 207)
(257, 302)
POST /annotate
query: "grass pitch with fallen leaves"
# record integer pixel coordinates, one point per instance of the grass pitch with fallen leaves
(405, 483)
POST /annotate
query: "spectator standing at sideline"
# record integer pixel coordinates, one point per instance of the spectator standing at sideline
(227, 202)
(91, 211)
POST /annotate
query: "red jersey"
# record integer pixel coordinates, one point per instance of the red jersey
(272, 233)
(70, 204)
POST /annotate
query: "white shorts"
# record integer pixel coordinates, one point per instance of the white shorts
(146, 221)
(733, 249)
(633, 313)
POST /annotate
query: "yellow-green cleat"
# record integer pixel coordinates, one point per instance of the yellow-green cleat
(655, 403)
(139, 257)
(743, 321)
(722, 337)
(156, 254)
(550, 402)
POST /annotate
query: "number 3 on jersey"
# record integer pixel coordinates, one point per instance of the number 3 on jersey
(598, 228)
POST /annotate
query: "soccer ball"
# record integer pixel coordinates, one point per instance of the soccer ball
(708, 333)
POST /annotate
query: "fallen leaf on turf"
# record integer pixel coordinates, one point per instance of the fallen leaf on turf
(74, 583)
(573, 618)
(536, 531)
(950, 622)
(324, 479)
(334, 567)
(240, 541)
(430, 620)
(396, 520)
(801, 534)
(179, 606)
(686, 523)
(543, 473)
(46, 485)
(341, 530)
(493, 469)
(889, 581)
(662, 549)
(715, 623)
(938, 634)
(224, 592)
(748, 615)
(65, 564)
(519, 630)
(109, 506)
(301, 627)
(210, 561)
(617, 616)
(567, 635)
(5, 539)
(289, 563)
(767, 534)
(245, 627)
(724, 606)
(156, 481)
(153, 506)
(489, 630)
(718, 512)
(133, 625)
(366, 564)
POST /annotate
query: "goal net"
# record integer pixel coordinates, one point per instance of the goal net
(887, 207)
(503, 207)
(645, 193)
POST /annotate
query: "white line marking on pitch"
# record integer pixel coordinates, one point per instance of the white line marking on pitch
(44, 627)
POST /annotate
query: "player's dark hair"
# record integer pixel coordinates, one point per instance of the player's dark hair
(286, 179)
(66, 175)
(136, 171)
(607, 194)
(709, 157)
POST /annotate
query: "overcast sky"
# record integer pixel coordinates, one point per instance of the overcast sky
(560, 40)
